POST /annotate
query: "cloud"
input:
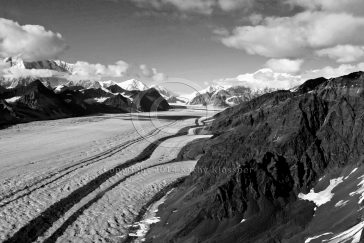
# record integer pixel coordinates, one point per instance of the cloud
(205, 7)
(296, 36)
(267, 78)
(120, 71)
(85, 70)
(255, 19)
(263, 78)
(81, 70)
(349, 6)
(231, 5)
(16, 72)
(31, 42)
(343, 53)
(331, 72)
(284, 65)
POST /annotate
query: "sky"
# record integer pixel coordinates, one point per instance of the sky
(257, 43)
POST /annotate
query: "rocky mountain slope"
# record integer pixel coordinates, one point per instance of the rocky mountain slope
(283, 167)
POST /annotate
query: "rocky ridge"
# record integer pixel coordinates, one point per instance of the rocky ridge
(266, 156)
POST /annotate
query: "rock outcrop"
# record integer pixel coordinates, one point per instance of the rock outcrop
(150, 100)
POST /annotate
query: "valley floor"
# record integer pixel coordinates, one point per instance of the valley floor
(86, 179)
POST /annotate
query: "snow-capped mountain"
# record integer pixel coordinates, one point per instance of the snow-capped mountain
(166, 93)
(224, 96)
(55, 65)
(133, 84)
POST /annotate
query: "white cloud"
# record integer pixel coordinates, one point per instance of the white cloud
(16, 72)
(267, 78)
(350, 6)
(31, 42)
(85, 70)
(263, 78)
(331, 72)
(231, 5)
(255, 19)
(120, 71)
(206, 7)
(284, 65)
(296, 36)
(3, 66)
(343, 53)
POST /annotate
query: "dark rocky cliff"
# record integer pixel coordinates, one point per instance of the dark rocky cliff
(262, 155)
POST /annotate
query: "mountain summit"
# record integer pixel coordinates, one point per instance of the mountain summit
(133, 84)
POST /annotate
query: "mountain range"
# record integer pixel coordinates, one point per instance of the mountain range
(34, 101)
(55, 74)
(225, 96)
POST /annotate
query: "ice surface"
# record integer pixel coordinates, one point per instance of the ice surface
(44, 162)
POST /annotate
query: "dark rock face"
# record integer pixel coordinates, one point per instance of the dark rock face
(120, 103)
(116, 89)
(7, 115)
(150, 100)
(2, 89)
(264, 152)
(36, 102)
(201, 99)
(95, 93)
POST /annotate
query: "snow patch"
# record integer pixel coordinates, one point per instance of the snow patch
(341, 203)
(360, 190)
(13, 99)
(353, 234)
(351, 173)
(101, 99)
(133, 84)
(149, 219)
(316, 237)
(322, 197)
(59, 88)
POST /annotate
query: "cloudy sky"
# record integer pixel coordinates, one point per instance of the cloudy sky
(274, 43)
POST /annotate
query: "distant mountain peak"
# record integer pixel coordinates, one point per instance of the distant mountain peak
(54, 65)
(133, 84)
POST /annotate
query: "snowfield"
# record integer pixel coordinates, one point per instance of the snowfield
(87, 179)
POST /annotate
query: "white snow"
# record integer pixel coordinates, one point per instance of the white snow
(243, 220)
(95, 100)
(355, 169)
(316, 237)
(106, 90)
(107, 83)
(101, 99)
(341, 203)
(59, 88)
(351, 235)
(360, 190)
(230, 100)
(13, 99)
(133, 84)
(322, 197)
(149, 219)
